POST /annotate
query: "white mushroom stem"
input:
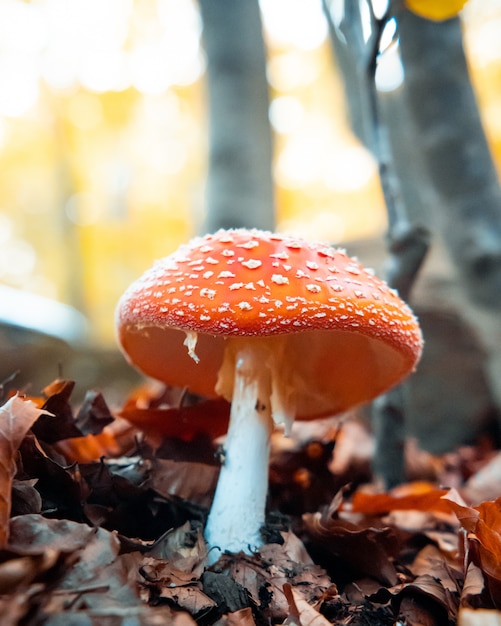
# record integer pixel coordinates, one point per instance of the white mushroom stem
(238, 509)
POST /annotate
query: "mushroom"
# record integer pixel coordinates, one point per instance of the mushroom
(282, 328)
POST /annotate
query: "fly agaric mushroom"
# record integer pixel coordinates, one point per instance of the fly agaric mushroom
(282, 328)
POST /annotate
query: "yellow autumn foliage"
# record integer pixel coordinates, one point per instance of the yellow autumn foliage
(437, 10)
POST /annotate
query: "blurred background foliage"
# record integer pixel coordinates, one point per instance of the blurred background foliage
(103, 138)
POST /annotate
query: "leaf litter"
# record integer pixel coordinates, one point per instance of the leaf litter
(101, 523)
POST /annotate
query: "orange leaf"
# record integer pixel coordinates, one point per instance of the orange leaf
(483, 523)
(90, 447)
(16, 418)
(210, 417)
(436, 10)
(419, 496)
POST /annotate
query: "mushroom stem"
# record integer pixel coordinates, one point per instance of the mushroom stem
(238, 509)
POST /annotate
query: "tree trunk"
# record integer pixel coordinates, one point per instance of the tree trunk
(239, 186)
(452, 146)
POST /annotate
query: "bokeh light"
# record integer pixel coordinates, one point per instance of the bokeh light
(103, 136)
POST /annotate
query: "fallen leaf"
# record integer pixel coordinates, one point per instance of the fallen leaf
(483, 542)
(357, 550)
(61, 424)
(301, 613)
(436, 10)
(93, 414)
(484, 484)
(421, 496)
(427, 587)
(264, 575)
(185, 546)
(479, 617)
(243, 617)
(164, 581)
(473, 586)
(186, 422)
(17, 416)
(192, 481)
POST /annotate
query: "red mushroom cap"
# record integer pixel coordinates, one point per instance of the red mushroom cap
(350, 337)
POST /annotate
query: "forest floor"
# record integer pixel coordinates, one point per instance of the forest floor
(102, 524)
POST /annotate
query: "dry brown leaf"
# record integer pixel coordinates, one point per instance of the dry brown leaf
(264, 575)
(184, 546)
(17, 416)
(14, 607)
(473, 586)
(18, 573)
(425, 587)
(479, 617)
(431, 559)
(368, 551)
(412, 612)
(301, 613)
(484, 484)
(195, 482)
(189, 597)
(243, 617)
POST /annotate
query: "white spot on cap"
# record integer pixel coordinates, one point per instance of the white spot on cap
(249, 244)
(252, 264)
(204, 318)
(208, 274)
(226, 239)
(208, 293)
(353, 269)
(279, 279)
(206, 249)
(212, 261)
(313, 288)
(236, 286)
(228, 252)
(301, 274)
(326, 252)
(312, 265)
(226, 274)
(280, 255)
(245, 306)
